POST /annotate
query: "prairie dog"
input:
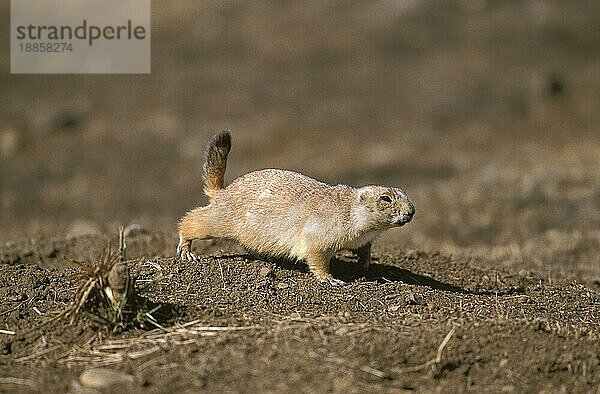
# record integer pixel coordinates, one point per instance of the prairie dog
(287, 214)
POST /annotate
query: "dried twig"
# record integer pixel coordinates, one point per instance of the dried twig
(17, 381)
(119, 350)
(122, 245)
(434, 362)
(12, 309)
(36, 355)
(222, 276)
(373, 371)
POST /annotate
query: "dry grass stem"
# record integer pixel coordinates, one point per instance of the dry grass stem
(373, 371)
(16, 381)
(122, 244)
(119, 350)
(435, 362)
(36, 355)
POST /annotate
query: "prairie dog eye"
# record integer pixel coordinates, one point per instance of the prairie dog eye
(385, 198)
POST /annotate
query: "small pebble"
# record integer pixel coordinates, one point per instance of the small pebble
(102, 378)
(77, 388)
(282, 285)
(412, 253)
(266, 272)
(415, 299)
(523, 299)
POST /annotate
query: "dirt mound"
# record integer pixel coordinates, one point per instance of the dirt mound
(242, 322)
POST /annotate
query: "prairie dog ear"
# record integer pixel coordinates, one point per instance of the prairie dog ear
(364, 194)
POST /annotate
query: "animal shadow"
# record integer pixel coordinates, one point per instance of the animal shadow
(348, 270)
(383, 273)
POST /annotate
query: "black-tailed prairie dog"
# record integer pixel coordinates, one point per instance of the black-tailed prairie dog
(286, 214)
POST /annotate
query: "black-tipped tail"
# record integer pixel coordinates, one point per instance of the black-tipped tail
(215, 162)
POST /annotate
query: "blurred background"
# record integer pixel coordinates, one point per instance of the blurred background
(486, 112)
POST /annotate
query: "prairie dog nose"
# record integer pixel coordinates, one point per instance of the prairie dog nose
(408, 211)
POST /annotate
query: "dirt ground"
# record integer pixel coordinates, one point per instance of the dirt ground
(485, 112)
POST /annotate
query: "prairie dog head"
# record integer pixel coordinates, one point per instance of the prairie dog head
(381, 207)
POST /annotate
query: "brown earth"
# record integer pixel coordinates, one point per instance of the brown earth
(485, 112)
(511, 331)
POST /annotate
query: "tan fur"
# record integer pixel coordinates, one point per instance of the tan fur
(284, 213)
